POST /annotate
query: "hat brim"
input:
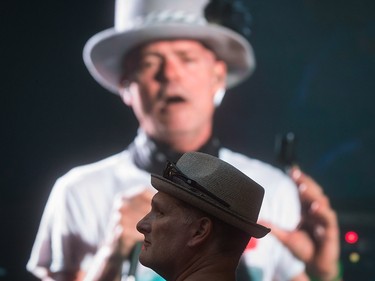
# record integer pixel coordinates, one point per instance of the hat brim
(104, 52)
(209, 206)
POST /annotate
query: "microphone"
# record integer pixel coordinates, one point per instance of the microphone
(285, 148)
(134, 256)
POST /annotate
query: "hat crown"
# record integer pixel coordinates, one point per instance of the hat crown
(225, 181)
(132, 13)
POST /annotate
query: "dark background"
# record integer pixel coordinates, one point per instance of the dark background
(315, 77)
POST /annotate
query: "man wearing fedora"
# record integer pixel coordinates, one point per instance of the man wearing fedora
(202, 218)
(171, 66)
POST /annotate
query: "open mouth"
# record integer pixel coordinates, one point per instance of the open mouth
(174, 100)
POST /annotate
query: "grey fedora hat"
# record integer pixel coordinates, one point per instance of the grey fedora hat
(141, 21)
(215, 187)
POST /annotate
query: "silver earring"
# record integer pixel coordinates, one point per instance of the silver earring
(219, 95)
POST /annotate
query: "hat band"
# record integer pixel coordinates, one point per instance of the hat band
(164, 17)
(172, 173)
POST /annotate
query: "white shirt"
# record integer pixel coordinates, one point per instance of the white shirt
(78, 209)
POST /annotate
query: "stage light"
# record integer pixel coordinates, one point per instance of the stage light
(351, 237)
(354, 257)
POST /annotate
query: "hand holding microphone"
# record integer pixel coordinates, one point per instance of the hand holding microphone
(129, 208)
(122, 240)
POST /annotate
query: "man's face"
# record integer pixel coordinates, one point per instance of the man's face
(166, 229)
(173, 87)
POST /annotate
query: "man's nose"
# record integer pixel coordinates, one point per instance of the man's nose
(169, 70)
(144, 226)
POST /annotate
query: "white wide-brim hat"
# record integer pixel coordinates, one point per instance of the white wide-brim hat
(141, 21)
(215, 187)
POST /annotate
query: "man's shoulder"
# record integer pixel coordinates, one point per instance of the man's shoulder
(108, 169)
(102, 165)
(281, 203)
(262, 172)
(246, 163)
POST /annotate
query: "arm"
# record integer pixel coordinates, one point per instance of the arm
(316, 242)
(121, 237)
(118, 244)
(60, 276)
(321, 224)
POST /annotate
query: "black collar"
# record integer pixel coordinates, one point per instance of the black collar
(151, 156)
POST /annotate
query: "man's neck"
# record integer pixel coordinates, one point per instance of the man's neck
(224, 270)
(185, 141)
(184, 144)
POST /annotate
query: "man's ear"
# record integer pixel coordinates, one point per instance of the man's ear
(220, 73)
(126, 92)
(202, 228)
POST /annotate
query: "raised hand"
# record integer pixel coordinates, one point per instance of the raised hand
(316, 241)
(122, 232)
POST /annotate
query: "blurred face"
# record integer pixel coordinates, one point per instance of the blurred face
(173, 87)
(167, 229)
